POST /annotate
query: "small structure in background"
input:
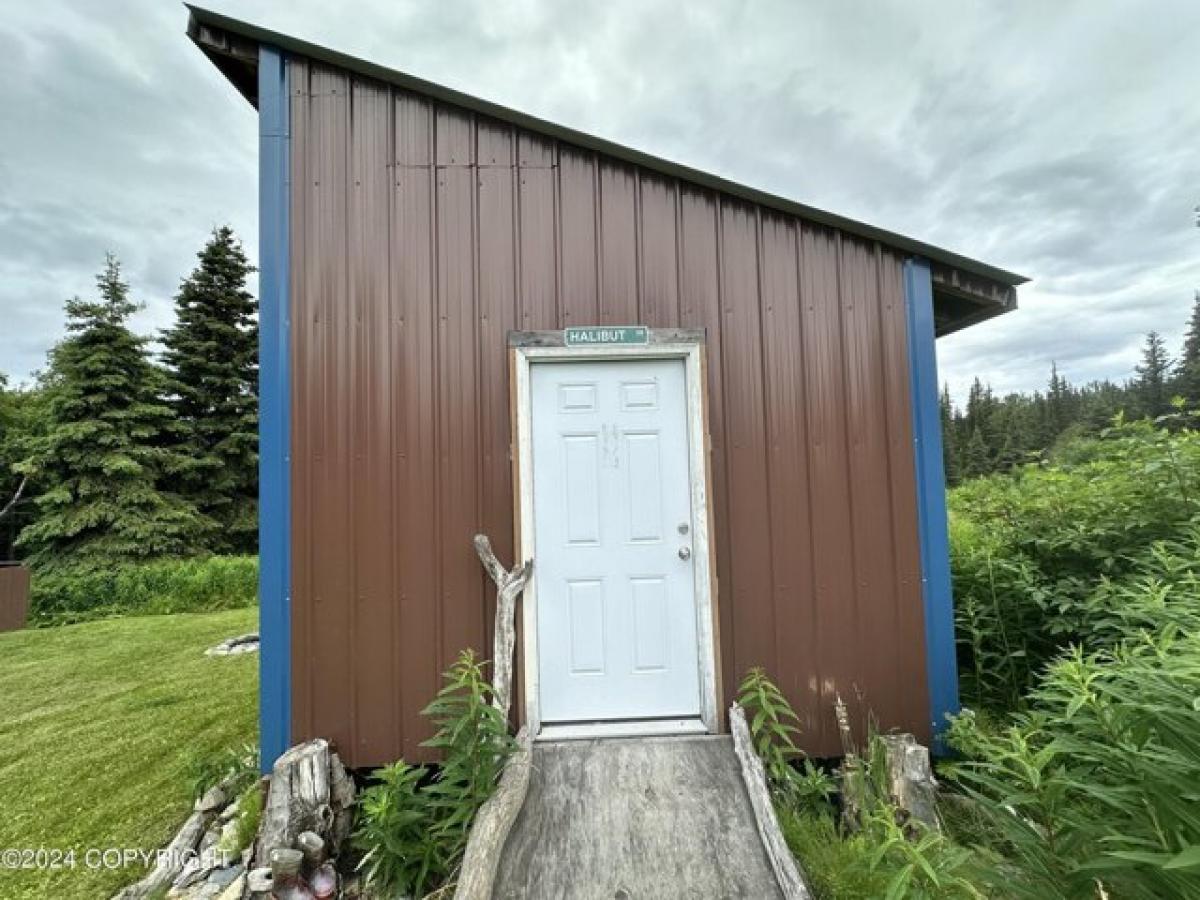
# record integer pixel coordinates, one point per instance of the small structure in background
(14, 596)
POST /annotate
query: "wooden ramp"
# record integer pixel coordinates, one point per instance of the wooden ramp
(634, 819)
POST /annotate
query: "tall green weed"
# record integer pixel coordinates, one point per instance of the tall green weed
(884, 855)
(200, 584)
(1098, 780)
(413, 822)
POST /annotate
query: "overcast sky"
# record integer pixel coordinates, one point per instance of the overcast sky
(1058, 140)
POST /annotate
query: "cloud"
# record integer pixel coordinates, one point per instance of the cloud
(114, 140)
(1055, 141)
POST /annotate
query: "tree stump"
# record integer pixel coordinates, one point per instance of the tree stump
(910, 779)
(310, 791)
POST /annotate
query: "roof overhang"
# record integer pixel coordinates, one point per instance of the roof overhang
(965, 291)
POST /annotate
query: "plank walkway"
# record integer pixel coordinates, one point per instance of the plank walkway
(636, 819)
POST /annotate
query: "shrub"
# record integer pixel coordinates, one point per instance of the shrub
(202, 584)
(413, 821)
(1078, 606)
(1097, 781)
(1029, 549)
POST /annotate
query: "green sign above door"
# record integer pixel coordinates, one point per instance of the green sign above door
(597, 335)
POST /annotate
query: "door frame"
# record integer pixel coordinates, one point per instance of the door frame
(529, 348)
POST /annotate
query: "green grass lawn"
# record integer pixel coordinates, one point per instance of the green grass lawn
(99, 727)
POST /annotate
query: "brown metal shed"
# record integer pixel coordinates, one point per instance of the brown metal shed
(407, 230)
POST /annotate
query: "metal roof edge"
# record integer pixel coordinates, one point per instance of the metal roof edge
(601, 145)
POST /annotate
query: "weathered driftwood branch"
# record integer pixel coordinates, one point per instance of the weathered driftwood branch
(15, 498)
(492, 824)
(787, 872)
(171, 860)
(508, 587)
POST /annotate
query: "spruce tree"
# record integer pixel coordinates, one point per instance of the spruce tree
(976, 460)
(1188, 371)
(212, 359)
(1058, 414)
(1008, 455)
(949, 437)
(102, 465)
(1151, 386)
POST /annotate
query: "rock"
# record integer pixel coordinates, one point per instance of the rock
(228, 839)
(191, 873)
(259, 880)
(203, 891)
(230, 811)
(214, 858)
(243, 643)
(214, 799)
(235, 889)
(210, 837)
(225, 876)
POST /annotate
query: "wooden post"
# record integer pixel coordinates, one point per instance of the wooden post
(508, 587)
(787, 870)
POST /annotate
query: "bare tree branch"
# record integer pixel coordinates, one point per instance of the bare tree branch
(17, 496)
(509, 585)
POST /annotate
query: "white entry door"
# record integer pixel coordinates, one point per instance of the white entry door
(613, 523)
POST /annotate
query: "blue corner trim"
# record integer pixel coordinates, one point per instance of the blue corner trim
(941, 667)
(274, 466)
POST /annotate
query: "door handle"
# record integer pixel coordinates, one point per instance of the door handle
(685, 553)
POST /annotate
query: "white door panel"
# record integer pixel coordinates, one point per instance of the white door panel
(616, 610)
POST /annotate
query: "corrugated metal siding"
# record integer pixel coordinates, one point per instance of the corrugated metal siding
(421, 234)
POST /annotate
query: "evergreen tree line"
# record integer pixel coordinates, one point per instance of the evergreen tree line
(993, 434)
(117, 455)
